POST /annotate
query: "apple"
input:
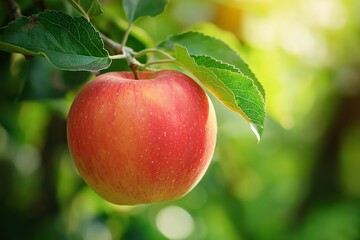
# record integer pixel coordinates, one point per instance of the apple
(142, 141)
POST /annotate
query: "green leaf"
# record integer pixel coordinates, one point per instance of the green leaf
(69, 43)
(199, 44)
(223, 73)
(135, 9)
(88, 8)
(43, 81)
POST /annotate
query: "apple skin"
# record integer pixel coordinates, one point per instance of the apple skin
(142, 141)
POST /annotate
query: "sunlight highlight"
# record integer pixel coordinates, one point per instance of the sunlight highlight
(175, 223)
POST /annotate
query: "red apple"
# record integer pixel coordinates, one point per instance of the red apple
(141, 141)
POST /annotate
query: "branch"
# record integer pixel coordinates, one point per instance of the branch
(115, 46)
(13, 9)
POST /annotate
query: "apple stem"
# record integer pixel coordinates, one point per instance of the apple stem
(134, 66)
(134, 69)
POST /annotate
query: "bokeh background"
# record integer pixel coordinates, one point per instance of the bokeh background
(302, 181)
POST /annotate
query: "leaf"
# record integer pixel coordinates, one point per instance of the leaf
(199, 44)
(223, 73)
(135, 9)
(43, 81)
(69, 43)
(88, 8)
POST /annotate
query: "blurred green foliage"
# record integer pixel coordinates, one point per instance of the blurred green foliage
(301, 182)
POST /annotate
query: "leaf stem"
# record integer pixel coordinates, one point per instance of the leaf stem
(145, 66)
(83, 12)
(126, 35)
(153, 50)
(169, 58)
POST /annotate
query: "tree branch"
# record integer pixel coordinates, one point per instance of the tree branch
(115, 46)
(13, 9)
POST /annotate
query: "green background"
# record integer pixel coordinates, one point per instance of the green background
(302, 181)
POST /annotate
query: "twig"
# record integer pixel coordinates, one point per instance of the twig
(14, 9)
(115, 46)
